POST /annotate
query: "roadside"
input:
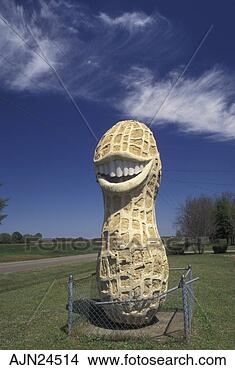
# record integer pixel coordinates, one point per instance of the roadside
(18, 257)
(7, 267)
(22, 252)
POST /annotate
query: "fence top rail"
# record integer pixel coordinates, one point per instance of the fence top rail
(138, 300)
(145, 299)
(94, 273)
(191, 281)
(85, 277)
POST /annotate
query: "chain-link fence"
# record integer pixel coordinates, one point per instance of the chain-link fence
(89, 316)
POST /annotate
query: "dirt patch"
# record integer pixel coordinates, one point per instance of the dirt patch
(168, 325)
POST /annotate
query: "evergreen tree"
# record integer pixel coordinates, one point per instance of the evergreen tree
(223, 219)
(17, 237)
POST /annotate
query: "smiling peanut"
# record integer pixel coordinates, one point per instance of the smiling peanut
(132, 264)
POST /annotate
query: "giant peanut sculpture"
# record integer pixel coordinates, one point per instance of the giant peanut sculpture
(132, 264)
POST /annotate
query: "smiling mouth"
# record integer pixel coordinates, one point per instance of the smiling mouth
(117, 171)
(121, 174)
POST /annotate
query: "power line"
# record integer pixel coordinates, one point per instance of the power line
(19, 107)
(198, 182)
(182, 73)
(197, 170)
(64, 87)
(16, 105)
(24, 74)
(43, 57)
(203, 189)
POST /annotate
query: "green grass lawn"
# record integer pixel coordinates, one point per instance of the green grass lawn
(20, 252)
(33, 315)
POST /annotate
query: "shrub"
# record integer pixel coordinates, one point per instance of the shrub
(17, 237)
(220, 246)
(5, 238)
(175, 246)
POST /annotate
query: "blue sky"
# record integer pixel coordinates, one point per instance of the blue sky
(119, 60)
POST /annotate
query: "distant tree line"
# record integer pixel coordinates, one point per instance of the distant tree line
(206, 216)
(17, 237)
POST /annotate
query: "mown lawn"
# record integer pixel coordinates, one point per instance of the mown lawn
(33, 315)
(21, 252)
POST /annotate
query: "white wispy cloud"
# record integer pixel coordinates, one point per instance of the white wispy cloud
(20, 68)
(131, 21)
(203, 104)
(96, 55)
(86, 50)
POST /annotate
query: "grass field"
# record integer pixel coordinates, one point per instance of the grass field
(33, 315)
(20, 252)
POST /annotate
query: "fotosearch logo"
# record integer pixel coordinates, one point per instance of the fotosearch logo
(175, 245)
(174, 360)
(128, 360)
(62, 244)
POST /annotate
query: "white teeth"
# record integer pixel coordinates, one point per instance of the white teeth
(112, 169)
(137, 169)
(125, 168)
(131, 171)
(118, 168)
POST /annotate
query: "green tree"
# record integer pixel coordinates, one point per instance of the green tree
(3, 203)
(231, 198)
(5, 238)
(223, 218)
(17, 237)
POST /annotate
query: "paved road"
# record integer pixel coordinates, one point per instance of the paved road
(45, 262)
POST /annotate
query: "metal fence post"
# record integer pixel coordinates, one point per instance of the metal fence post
(191, 287)
(185, 307)
(191, 297)
(70, 303)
